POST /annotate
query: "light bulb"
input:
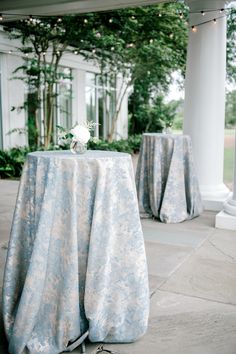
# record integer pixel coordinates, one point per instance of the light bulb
(203, 13)
(194, 28)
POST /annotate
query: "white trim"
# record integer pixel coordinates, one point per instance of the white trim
(6, 122)
(62, 7)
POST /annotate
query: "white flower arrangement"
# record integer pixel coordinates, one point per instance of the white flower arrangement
(79, 134)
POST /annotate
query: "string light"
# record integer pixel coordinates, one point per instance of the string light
(94, 51)
(10, 52)
(194, 27)
(32, 19)
(76, 52)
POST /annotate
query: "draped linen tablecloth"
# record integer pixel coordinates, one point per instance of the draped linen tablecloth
(76, 257)
(166, 181)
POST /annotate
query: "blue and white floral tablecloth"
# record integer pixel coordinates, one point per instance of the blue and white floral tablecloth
(166, 181)
(76, 257)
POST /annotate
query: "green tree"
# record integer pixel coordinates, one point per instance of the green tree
(230, 109)
(151, 44)
(231, 46)
(144, 44)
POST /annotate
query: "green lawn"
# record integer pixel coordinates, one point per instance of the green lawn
(229, 159)
(228, 165)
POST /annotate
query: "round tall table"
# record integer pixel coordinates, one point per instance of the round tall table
(76, 259)
(166, 181)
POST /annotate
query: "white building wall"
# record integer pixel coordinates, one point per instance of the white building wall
(12, 96)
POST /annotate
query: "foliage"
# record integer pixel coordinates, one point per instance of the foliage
(43, 44)
(154, 45)
(12, 161)
(130, 145)
(230, 111)
(143, 44)
(231, 46)
(154, 117)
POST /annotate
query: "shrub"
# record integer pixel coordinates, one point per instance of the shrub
(12, 161)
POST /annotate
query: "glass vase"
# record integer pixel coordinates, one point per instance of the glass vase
(77, 147)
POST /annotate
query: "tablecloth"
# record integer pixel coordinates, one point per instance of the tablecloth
(166, 180)
(76, 257)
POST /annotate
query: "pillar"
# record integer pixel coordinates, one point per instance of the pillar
(204, 115)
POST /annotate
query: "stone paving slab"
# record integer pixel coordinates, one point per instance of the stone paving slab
(183, 325)
(179, 235)
(165, 259)
(210, 273)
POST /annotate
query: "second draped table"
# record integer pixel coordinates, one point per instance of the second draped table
(76, 257)
(166, 181)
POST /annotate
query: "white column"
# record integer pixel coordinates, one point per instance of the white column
(226, 219)
(205, 98)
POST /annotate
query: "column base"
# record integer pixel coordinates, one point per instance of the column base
(214, 197)
(225, 221)
(230, 206)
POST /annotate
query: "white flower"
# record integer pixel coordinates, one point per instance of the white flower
(81, 134)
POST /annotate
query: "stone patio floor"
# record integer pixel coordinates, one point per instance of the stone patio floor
(192, 270)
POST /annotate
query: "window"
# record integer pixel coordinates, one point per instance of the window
(64, 99)
(62, 107)
(100, 102)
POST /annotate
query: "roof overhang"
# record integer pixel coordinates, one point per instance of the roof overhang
(60, 7)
